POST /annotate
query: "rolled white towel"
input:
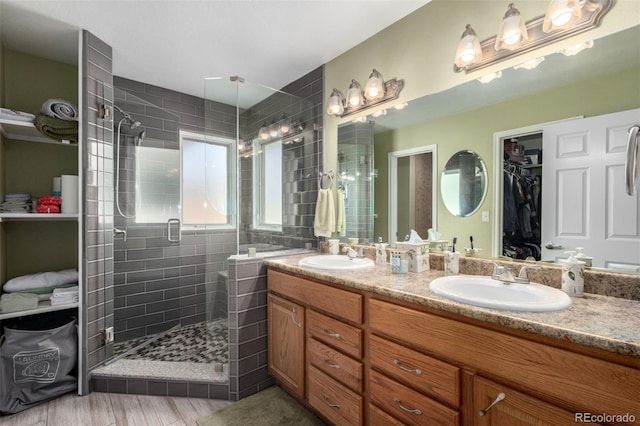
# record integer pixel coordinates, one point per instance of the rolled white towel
(59, 108)
(41, 280)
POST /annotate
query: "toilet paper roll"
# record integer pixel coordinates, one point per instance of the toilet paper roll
(56, 185)
(69, 193)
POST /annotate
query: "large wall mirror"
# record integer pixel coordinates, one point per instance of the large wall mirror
(599, 80)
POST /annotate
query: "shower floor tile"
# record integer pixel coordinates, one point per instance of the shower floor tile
(205, 342)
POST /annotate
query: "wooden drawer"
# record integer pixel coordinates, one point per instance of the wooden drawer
(514, 407)
(333, 400)
(408, 405)
(428, 375)
(342, 303)
(335, 364)
(578, 381)
(335, 333)
(377, 417)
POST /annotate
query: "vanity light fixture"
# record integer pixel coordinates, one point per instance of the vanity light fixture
(561, 14)
(376, 91)
(355, 97)
(469, 51)
(285, 125)
(512, 32)
(565, 18)
(336, 103)
(274, 129)
(263, 133)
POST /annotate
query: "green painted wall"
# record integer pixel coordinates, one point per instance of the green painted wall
(27, 82)
(474, 130)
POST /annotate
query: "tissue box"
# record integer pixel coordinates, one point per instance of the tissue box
(418, 257)
(420, 248)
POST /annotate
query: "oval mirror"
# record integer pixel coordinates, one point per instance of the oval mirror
(463, 183)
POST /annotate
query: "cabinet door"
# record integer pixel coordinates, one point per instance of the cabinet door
(286, 344)
(516, 409)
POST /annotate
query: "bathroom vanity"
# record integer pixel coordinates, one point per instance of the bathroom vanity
(376, 348)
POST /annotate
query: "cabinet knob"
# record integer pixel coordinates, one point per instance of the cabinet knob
(499, 398)
(330, 333)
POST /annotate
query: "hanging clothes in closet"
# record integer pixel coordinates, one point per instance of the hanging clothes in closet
(521, 213)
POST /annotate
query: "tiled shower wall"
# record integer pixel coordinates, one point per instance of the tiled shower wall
(160, 284)
(356, 177)
(97, 163)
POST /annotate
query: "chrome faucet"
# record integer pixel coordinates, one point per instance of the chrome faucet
(502, 273)
(352, 253)
(523, 278)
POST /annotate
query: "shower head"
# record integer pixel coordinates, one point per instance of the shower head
(140, 136)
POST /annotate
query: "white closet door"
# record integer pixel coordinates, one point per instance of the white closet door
(584, 202)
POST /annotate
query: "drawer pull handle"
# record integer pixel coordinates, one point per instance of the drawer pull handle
(499, 398)
(326, 362)
(330, 333)
(293, 317)
(408, 410)
(326, 401)
(415, 371)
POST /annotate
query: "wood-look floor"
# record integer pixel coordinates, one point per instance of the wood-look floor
(105, 409)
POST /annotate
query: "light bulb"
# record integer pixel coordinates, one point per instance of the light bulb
(354, 94)
(335, 106)
(374, 89)
(264, 132)
(468, 51)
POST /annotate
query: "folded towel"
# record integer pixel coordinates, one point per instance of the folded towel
(18, 302)
(59, 108)
(41, 280)
(325, 221)
(56, 128)
(341, 224)
(65, 290)
(12, 114)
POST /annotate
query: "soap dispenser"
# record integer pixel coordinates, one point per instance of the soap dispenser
(583, 257)
(572, 275)
(381, 252)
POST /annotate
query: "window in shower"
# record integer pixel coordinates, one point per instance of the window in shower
(207, 180)
(267, 185)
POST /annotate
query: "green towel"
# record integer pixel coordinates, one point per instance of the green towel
(56, 128)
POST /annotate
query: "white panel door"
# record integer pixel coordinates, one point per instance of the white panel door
(584, 201)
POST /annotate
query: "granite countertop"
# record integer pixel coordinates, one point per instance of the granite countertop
(607, 323)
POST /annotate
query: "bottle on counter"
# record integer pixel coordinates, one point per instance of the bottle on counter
(572, 275)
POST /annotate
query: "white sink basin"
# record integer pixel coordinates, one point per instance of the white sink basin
(336, 263)
(489, 293)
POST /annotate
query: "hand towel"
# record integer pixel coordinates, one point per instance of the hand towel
(41, 280)
(341, 224)
(56, 128)
(59, 108)
(18, 302)
(325, 221)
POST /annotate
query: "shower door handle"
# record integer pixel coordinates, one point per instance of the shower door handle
(169, 236)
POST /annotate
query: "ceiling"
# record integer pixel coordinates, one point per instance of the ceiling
(176, 44)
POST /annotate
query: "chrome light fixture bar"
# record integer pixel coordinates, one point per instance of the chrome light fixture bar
(592, 12)
(376, 92)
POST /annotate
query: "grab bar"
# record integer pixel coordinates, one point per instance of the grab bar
(174, 240)
(632, 165)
